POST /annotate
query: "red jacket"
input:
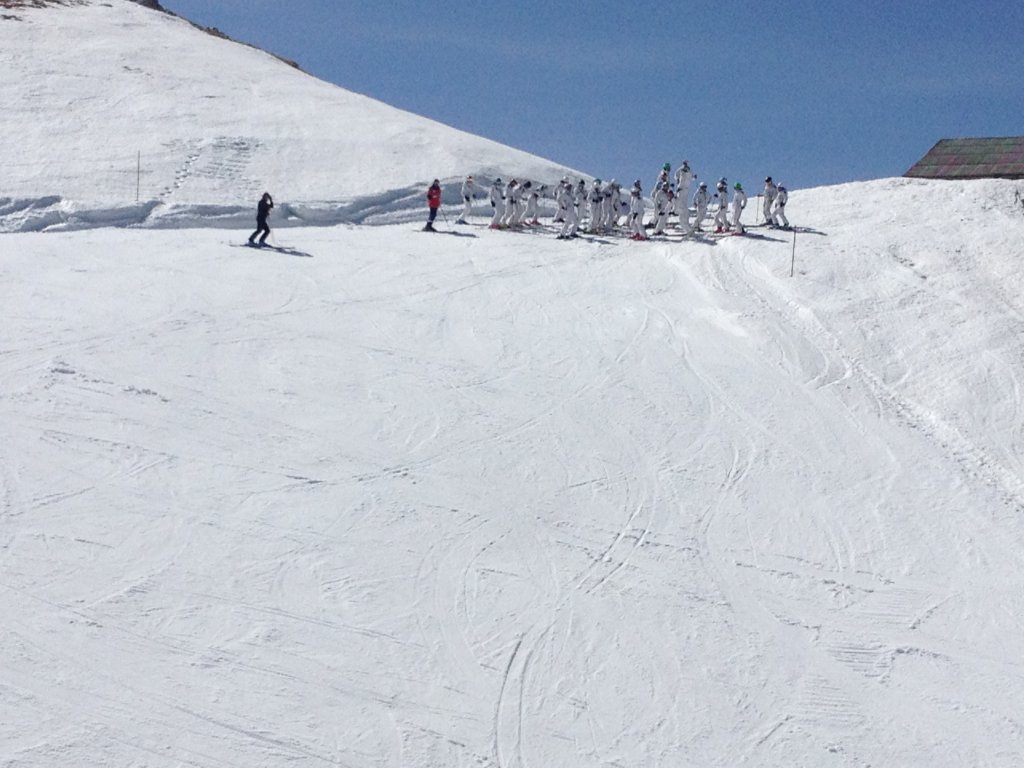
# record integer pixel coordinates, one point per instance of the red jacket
(434, 196)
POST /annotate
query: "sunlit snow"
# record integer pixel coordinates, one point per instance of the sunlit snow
(399, 499)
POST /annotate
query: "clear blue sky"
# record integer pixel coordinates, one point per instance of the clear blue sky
(809, 91)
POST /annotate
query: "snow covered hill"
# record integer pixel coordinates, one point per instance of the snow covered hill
(126, 115)
(396, 499)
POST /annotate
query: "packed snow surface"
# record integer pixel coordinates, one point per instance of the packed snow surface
(399, 499)
(386, 499)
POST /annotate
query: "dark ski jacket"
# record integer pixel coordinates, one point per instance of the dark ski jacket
(263, 207)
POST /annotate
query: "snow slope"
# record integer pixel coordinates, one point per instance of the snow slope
(89, 89)
(396, 499)
(486, 498)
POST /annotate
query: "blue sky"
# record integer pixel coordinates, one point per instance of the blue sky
(811, 92)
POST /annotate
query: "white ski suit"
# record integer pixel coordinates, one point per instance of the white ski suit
(661, 204)
(684, 178)
(607, 207)
(611, 206)
(519, 209)
(739, 202)
(722, 212)
(779, 212)
(497, 203)
(596, 198)
(770, 193)
(701, 200)
(580, 202)
(468, 193)
(662, 179)
(567, 210)
(511, 196)
(532, 203)
(636, 213)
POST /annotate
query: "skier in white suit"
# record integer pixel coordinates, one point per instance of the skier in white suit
(770, 193)
(739, 202)
(660, 199)
(511, 198)
(497, 203)
(722, 211)
(596, 199)
(779, 211)
(468, 193)
(684, 178)
(567, 210)
(636, 212)
(701, 200)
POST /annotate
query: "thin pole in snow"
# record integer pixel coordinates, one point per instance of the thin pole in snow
(792, 261)
(138, 175)
(757, 211)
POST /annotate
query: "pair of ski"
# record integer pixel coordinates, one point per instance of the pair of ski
(275, 248)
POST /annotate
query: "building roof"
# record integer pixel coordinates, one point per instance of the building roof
(1000, 158)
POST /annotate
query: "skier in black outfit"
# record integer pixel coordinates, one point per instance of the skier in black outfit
(262, 212)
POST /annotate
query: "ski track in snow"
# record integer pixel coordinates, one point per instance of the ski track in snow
(481, 504)
(415, 502)
(496, 501)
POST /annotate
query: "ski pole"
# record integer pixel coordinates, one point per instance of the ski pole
(792, 261)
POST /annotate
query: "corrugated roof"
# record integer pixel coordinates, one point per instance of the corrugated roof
(998, 158)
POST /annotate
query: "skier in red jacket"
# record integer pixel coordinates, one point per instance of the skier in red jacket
(434, 202)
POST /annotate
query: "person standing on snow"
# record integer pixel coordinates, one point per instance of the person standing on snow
(518, 206)
(567, 210)
(433, 202)
(611, 206)
(532, 202)
(739, 202)
(701, 200)
(660, 199)
(779, 212)
(770, 192)
(497, 204)
(511, 196)
(684, 178)
(559, 217)
(596, 199)
(663, 176)
(262, 213)
(636, 212)
(468, 193)
(722, 212)
(580, 201)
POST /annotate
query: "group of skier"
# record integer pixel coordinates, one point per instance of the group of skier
(603, 205)
(516, 204)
